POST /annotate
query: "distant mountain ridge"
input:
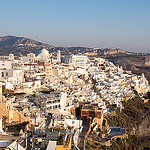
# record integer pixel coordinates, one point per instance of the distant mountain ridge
(113, 51)
(13, 40)
(22, 45)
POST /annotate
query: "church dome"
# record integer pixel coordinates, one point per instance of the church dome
(44, 51)
(44, 54)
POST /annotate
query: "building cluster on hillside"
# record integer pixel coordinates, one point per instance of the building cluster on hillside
(39, 97)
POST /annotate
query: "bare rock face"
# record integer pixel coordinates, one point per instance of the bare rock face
(147, 61)
(144, 127)
(113, 51)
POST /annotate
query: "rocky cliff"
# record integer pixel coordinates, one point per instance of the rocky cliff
(113, 51)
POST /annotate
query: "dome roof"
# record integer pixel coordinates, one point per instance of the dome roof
(44, 54)
(44, 51)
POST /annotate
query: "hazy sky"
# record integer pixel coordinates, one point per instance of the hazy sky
(93, 23)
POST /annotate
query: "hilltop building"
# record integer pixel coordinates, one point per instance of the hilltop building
(58, 56)
(142, 85)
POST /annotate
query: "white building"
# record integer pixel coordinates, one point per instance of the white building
(79, 61)
(44, 55)
(5, 64)
(59, 56)
(63, 100)
(12, 77)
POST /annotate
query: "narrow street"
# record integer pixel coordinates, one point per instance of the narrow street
(82, 135)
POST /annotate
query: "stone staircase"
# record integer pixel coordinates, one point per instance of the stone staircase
(82, 135)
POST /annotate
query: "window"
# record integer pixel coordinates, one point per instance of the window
(2, 74)
(6, 73)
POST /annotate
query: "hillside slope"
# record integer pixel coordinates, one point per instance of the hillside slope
(12, 44)
(16, 45)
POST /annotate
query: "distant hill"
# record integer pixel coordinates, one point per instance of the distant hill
(113, 51)
(12, 44)
(13, 40)
(22, 45)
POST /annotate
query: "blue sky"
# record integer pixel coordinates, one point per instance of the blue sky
(91, 23)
